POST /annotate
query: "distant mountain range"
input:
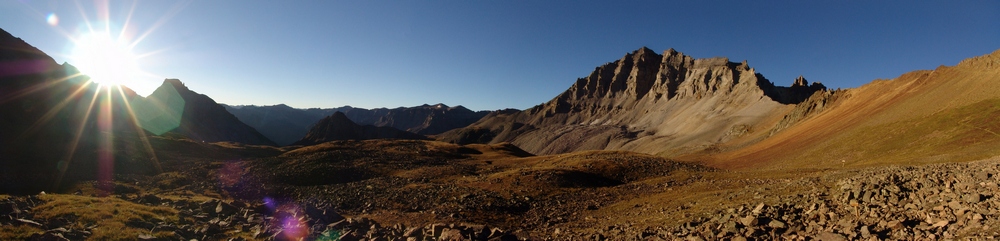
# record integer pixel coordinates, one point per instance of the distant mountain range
(338, 127)
(286, 125)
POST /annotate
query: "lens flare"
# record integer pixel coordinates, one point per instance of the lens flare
(105, 152)
(52, 19)
(269, 203)
(293, 228)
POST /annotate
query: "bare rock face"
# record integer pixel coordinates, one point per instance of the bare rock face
(339, 127)
(647, 102)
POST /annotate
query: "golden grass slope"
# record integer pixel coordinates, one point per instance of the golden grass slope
(944, 115)
(107, 215)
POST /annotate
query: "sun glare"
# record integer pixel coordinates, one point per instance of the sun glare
(108, 61)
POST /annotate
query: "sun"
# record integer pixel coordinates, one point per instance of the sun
(108, 61)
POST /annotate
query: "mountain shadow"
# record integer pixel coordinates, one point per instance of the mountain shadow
(339, 127)
(286, 125)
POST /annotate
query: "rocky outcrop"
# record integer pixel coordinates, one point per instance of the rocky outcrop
(285, 124)
(814, 104)
(647, 102)
(942, 201)
(200, 117)
(986, 62)
(339, 127)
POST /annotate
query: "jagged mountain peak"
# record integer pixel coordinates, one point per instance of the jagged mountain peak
(643, 92)
(643, 75)
(176, 83)
(644, 52)
(800, 81)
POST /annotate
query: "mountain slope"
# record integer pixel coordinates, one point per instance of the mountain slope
(201, 118)
(647, 102)
(285, 124)
(339, 127)
(942, 115)
(56, 126)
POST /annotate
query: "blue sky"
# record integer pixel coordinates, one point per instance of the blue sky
(500, 54)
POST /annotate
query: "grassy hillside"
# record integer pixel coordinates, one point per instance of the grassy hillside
(945, 115)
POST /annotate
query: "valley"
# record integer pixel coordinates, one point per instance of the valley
(650, 146)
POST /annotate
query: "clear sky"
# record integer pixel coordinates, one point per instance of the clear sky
(498, 54)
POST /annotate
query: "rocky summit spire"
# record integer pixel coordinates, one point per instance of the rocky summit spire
(800, 81)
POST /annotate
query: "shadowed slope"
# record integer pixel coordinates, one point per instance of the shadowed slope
(202, 118)
(281, 123)
(339, 127)
(57, 126)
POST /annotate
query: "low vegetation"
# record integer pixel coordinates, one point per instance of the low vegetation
(106, 217)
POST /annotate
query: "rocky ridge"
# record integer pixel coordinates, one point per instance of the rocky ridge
(647, 102)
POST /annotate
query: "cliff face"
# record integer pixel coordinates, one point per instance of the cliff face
(648, 102)
(338, 127)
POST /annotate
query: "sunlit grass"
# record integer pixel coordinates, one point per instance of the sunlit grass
(107, 215)
(18, 232)
(966, 133)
